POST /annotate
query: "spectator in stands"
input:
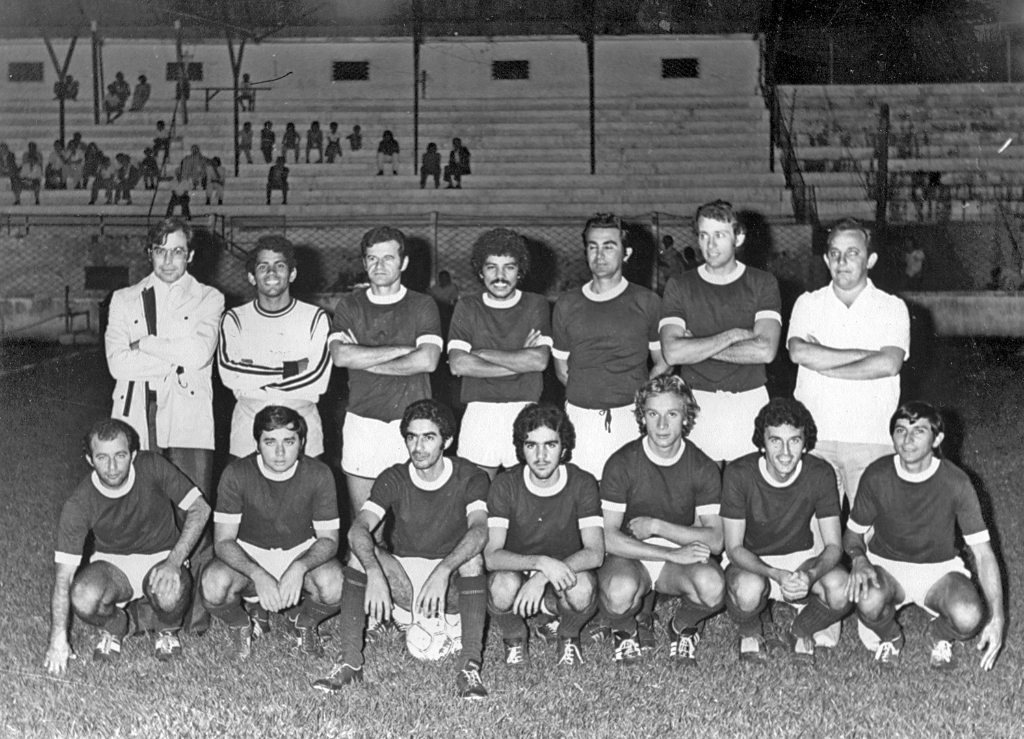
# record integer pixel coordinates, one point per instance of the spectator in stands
(53, 176)
(246, 95)
(126, 178)
(355, 139)
(162, 140)
(106, 179)
(182, 89)
(121, 88)
(333, 143)
(141, 94)
(267, 138)
(9, 170)
(91, 164)
(215, 181)
(387, 153)
(113, 104)
(68, 91)
(445, 292)
(458, 165)
(430, 166)
(277, 179)
(290, 140)
(180, 196)
(74, 163)
(31, 173)
(192, 169)
(149, 170)
(245, 141)
(315, 141)
(670, 262)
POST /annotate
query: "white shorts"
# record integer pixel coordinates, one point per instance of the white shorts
(486, 435)
(274, 561)
(418, 570)
(242, 441)
(725, 426)
(134, 566)
(369, 446)
(653, 566)
(599, 434)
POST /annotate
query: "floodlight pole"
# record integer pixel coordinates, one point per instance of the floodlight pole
(182, 72)
(417, 42)
(95, 74)
(62, 75)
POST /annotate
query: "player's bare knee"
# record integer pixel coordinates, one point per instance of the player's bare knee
(709, 582)
(965, 615)
(215, 584)
(86, 596)
(619, 591)
(832, 589)
(583, 594)
(325, 582)
(473, 568)
(502, 588)
(746, 589)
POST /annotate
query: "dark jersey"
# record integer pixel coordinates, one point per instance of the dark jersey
(139, 521)
(430, 518)
(410, 321)
(634, 484)
(778, 518)
(482, 324)
(277, 513)
(915, 515)
(544, 521)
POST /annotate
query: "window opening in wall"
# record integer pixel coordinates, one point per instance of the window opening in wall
(193, 70)
(25, 71)
(680, 69)
(513, 69)
(351, 71)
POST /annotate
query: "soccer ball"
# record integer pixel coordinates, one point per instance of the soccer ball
(431, 639)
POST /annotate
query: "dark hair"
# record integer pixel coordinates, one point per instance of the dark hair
(913, 411)
(537, 415)
(215, 161)
(719, 210)
(431, 146)
(275, 417)
(271, 242)
(444, 278)
(166, 227)
(671, 385)
(604, 220)
(429, 410)
(500, 242)
(851, 225)
(109, 429)
(379, 235)
(785, 412)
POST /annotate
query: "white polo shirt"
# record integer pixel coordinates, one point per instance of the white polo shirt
(854, 411)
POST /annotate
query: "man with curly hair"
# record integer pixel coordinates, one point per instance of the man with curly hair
(660, 496)
(499, 343)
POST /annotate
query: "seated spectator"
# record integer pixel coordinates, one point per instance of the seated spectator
(180, 193)
(74, 163)
(162, 140)
(458, 165)
(31, 175)
(430, 166)
(246, 95)
(68, 91)
(315, 141)
(121, 88)
(333, 143)
(149, 170)
(245, 141)
(53, 177)
(141, 94)
(215, 181)
(277, 179)
(9, 169)
(267, 138)
(113, 104)
(691, 260)
(91, 163)
(126, 178)
(106, 178)
(387, 153)
(445, 292)
(355, 139)
(290, 140)
(192, 169)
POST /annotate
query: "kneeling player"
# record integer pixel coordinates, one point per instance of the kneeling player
(914, 501)
(545, 536)
(440, 510)
(769, 499)
(126, 504)
(276, 536)
(667, 493)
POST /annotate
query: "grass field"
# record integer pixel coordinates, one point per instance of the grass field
(44, 411)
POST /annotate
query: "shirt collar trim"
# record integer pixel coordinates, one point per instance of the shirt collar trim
(512, 302)
(268, 473)
(728, 279)
(762, 465)
(114, 493)
(662, 461)
(548, 492)
(589, 294)
(386, 299)
(431, 485)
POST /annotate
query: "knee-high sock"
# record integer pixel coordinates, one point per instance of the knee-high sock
(941, 628)
(689, 614)
(230, 613)
(117, 623)
(473, 610)
(352, 617)
(816, 616)
(885, 625)
(625, 622)
(749, 622)
(571, 621)
(313, 612)
(510, 624)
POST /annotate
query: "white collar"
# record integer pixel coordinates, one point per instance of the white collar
(864, 293)
(916, 476)
(662, 461)
(430, 485)
(268, 473)
(386, 299)
(114, 493)
(588, 291)
(548, 492)
(737, 273)
(511, 302)
(762, 465)
(162, 289)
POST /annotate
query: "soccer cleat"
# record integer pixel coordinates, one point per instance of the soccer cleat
(752, 649)
(468, 683)
(241, 641)
(777, 640)
(260, 621)
(682, 646)
(168, 646)
(569, 651)
(942, 657)
(516, 652)
(307, 639)
(108, 648)
(887, 656)
(547, 632)
(627, 648)
(598, 629)
(645, 633)
(803, 649)
(342, 674)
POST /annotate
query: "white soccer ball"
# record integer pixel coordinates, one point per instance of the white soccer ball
(431, 639)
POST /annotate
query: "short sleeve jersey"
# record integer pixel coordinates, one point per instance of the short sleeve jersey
(138, 518)
(915, 516)
(409, 320)
(544, 521)
(277, 511)
(606, 339)
(778, 517)
(430, 518)
(637, 483)
(705, 305)
(480, 322)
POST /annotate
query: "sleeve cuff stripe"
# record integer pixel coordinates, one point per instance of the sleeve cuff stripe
(371, 507)
(331, 525)
(188, 500)
(462, 346)
(558, 353)
(712, 509)
(63, 558)
(477, 505)
(337, 336)
(856, 527)
(497, 523)
(672, 321)
(613, 507)
(430, 339)
(979, 538)
(545, 341)
(591, 522)
(769, 314)
(654, 346)
(220, 517)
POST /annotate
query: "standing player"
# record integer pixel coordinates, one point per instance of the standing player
(273, 351)
(275, 531)
(440, 530)
(850, 340)
(545, 536)
(603, 335)
(160, 342)
(389, 338)
(499, 344)
(914, 501)
(660, 497)
(770, 501)
(126, 503)
(721, 323)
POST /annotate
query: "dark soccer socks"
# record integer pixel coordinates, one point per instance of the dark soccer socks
(571, 622)
(815, 617)
(352, 618)
(473, 610)
(689, 614)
